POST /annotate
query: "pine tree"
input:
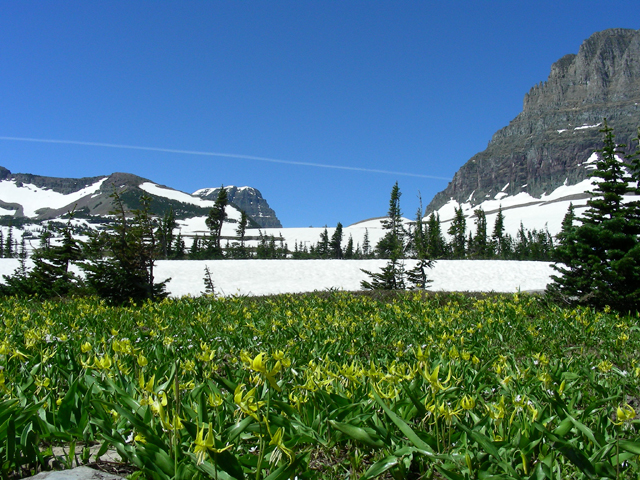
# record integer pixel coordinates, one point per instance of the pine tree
(349, 252)
(165, 234)
(602, 255)
(498, 243)
(366, 245)
(322, 249)
(121, 264)
(391, 246)
(50, 276)
(436, 244)
(215, 221)
(417, 276)
(335, 245)
(8, 245)
(479, 248)
(457, 230)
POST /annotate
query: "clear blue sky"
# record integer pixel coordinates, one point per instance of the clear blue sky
(402, 86)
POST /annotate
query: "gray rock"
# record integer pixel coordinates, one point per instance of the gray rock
(79, 473)
(544, 146)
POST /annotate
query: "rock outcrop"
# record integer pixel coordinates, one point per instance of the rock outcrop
(558, 129)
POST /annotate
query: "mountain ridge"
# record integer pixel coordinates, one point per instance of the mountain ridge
(42, 197)
(548, 143)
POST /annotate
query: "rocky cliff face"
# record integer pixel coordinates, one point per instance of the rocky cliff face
(248, 199)
(558, 129)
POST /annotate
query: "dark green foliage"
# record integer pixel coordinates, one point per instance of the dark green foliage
(165, 234)
(601, 257)
(209, 287)
(479, 247)
(436, 244)
(269, 248)
(215, 221)
(457, 230)
(50, 276)
(120, 264)
(499, 245)
(335, 245)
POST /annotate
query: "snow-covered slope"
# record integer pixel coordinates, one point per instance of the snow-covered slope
(267, 277)
(33, 198)
(546, 212)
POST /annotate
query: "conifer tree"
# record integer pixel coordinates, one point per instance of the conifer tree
(498, 243)
(479, 248)
(392, 246)
(8, 245)
(348, 251)
(121, 263)
(322, 249)
(436, 244)
(457, 230)
(602, 255)
(215, 221)
(366, 245)
(417, 276)
(335, 245)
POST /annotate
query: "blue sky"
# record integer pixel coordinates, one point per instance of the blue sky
(398, 86)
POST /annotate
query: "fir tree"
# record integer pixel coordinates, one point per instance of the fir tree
(602, 255)
(479, 248)
(348, 251)
(392, 246)
(165, 234)
(215, 221)
(497, 237)
(417, 276)
(322, 249)
(436, 244)
(335, 245)
(457, 230)
(366, 245)
(125, 271)
(8, 245)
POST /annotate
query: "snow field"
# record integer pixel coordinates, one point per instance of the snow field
(269, 277)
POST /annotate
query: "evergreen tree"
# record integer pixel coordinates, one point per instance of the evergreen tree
(436, 244)
(165, 234)
(125, 271)
(50, 276)
(215, 221)
(179, 248)
(497, 237)
(391, 246)
(417, 276)
(479, 248)
(349, 252)
(8, 245)
(366, 245)
(322, 249)
(457, 230)
(335, 245)
(602, 254)
(1, 244)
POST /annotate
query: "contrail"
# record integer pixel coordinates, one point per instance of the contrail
(214, 154)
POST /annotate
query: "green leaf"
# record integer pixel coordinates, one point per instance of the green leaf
(629, 446)
(357, 433)
(576, 457)
(404, 428)
(380, 467)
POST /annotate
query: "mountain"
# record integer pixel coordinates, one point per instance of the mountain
(248, 199)
(543, 157)
(43, 198)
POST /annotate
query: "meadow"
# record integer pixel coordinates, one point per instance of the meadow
(324, 385)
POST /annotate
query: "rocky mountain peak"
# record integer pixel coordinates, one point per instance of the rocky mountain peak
(546, 145)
